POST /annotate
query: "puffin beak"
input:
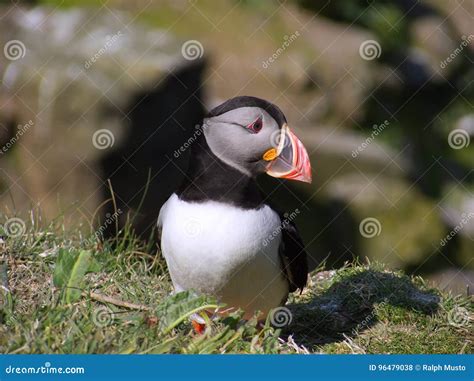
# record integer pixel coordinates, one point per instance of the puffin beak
(290, 159)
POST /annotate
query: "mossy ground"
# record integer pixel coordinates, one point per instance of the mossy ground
(356, 309)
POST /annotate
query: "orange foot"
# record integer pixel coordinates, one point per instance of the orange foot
(198, 327)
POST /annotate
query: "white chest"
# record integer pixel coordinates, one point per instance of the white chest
(223, 250)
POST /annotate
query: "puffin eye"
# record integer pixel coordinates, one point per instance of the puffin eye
(256, 126)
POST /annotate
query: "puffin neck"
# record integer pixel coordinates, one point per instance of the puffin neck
(208, 178)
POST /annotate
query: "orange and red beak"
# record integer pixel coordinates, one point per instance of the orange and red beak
(289, 160)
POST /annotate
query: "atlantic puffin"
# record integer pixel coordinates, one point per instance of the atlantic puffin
(219, 236)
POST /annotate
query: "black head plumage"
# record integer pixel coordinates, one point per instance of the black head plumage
(248, 101)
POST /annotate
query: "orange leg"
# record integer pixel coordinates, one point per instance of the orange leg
(198, 327)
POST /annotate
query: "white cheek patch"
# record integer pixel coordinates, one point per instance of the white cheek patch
(230, 141)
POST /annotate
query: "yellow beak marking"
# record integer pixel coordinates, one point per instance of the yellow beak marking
(270, 155)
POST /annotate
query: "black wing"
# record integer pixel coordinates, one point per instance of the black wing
(293, 255)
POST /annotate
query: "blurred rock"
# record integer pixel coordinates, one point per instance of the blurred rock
(397, 224)
(457, 281)
(458, 212)
(432, 42)
(342, 73)
(92, 83)
(339, 151)
(460, 15)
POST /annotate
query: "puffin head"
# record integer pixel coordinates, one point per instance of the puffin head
(252, 135)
